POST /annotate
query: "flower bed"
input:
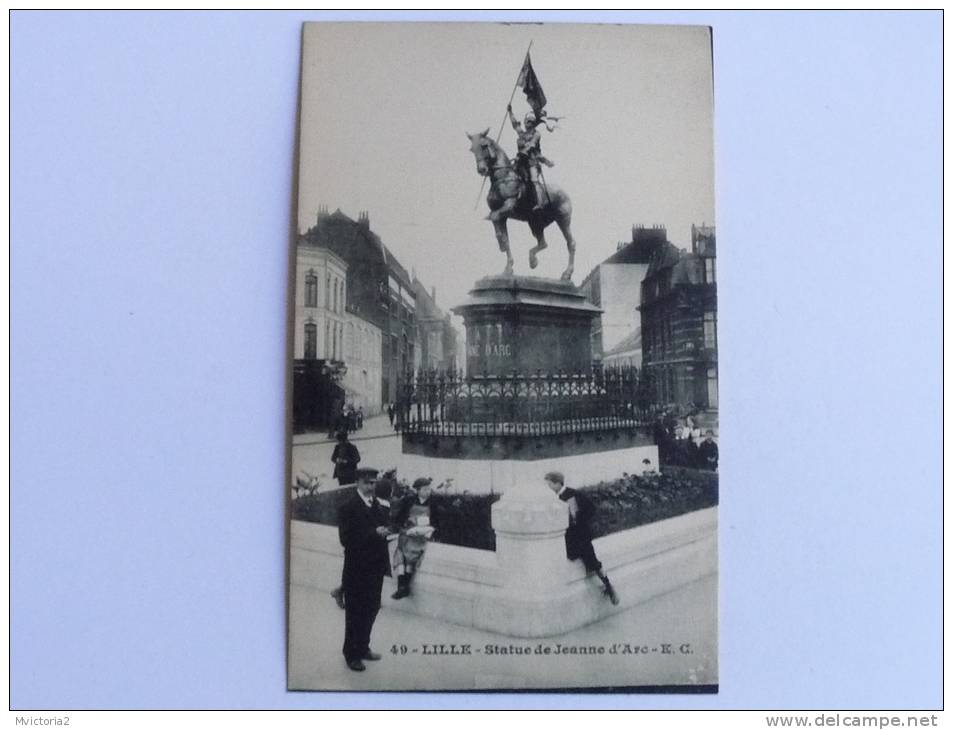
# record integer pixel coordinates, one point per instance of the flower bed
(464, 519)
(632, 501)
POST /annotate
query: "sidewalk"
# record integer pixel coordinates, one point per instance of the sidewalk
(374, 427)
(683, 621)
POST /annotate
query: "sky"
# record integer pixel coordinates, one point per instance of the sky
(385, 109)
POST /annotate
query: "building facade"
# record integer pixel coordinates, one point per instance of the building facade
(627, 353)
(679, 322)
(362, 359)
(320, 302)
(400, 350)
(436, 336)
(320, 330)
(379, 290)
(615, 287)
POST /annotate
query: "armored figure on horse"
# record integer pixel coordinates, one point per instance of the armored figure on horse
(518, 188)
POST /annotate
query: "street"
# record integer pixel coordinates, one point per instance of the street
(380, 448)
(377, 443)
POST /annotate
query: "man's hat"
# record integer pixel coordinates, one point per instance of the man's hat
(365, 473)
(421, 482)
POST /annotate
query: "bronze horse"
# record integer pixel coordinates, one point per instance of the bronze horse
(509, 197)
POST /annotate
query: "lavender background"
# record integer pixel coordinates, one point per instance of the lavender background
(151, 201)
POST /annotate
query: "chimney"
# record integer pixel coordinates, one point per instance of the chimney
(655, 233)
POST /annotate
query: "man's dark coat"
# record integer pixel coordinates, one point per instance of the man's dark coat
(345, 473)
(365, 563)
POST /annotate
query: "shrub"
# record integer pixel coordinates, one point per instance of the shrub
(464, 519)
(632, 501)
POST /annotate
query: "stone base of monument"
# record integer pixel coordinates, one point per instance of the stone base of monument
(525, 446)
(527, 588)
(532, 590)
(525, 323)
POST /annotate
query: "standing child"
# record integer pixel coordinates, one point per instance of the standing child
(414, 519)
(579, 532)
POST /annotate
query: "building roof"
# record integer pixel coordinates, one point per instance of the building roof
(426, 306)
(341, 233)
(667, 255)
(688, 270)
(642, 248)
(632, 341)
(399, 271)
(320, 252)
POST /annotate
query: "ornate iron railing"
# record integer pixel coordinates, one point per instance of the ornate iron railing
(448, 403)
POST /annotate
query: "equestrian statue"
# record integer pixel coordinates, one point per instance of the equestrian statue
(518, 188)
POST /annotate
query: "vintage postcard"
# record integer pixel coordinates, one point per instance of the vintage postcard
(504, 462)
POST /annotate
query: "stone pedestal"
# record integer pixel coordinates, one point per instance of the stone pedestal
(524, 323)
(530, 524)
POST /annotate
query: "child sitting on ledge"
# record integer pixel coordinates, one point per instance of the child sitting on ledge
(414, 520)
(579, 532)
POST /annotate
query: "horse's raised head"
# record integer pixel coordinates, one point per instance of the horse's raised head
(482, 148)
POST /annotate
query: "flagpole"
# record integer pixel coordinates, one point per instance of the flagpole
(509, 104)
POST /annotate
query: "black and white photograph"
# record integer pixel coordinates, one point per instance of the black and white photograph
(504, 410)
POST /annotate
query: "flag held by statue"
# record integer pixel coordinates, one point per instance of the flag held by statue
(531, 86)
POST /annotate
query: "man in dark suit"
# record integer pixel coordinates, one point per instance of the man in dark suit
(362, 529)
(346, 457)
(579, 532)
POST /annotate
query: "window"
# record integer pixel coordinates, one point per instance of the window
(710, 330)
(334, 301)
(709, 271)
(327, 339)
(712, 388)
(327, 292)
(310, 341)
(311, 290)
